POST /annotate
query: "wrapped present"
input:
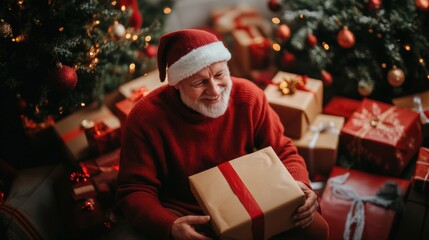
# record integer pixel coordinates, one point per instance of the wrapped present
(419, 103)
(72, 132)
(135, 90)
(297, 100)
(224, 20)
(103, 135)
(106, 163)
(420, 178)
(359, 205)
(242, 206)
(341, 106)
(381, 137)
(319, 144)
(252, 49)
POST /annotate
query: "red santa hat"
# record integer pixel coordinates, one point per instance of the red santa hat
(185, 52)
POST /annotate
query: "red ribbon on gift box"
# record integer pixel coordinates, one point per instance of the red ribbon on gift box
(290, 84)
(246, 198)
(259, 48)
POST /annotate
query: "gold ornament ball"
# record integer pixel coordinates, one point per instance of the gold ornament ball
(5, 29)
(346, 38)
(365, 88)
(422, 4)
(396, 77)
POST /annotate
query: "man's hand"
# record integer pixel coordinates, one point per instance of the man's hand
(184, 228)
(304, 215)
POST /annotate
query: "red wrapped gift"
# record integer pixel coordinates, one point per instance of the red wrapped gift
(124, 107)
(341, 106)
(382, 137)
(106, 163)
(102, 136)
(421, 172)
(360, 195)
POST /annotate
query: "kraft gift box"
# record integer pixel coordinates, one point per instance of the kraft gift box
(298, 110)
(269, 204)
(319, 145)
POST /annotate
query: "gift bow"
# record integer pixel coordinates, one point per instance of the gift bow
(388, 196)
(419, 107)
(290, 84)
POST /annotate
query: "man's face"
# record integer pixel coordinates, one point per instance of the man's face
(207, 91)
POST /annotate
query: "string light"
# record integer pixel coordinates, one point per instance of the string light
(275, 20)
(60, 29)
(167, 10)
(123, 8)
(148, 38)
(128, 35)
(135, 37)
(407, 47)
(383, 65)
(325, 46)
(421, 61)
(82, 104)
(114, 3)
(276, 47)
(132, 68)
(370, 30)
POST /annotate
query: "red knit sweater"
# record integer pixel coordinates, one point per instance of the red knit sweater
(164, 142)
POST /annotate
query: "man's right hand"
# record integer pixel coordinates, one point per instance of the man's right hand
(184, 228)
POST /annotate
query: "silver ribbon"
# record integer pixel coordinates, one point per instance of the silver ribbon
(317, 130)
(419, 107)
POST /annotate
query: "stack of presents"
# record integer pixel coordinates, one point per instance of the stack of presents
(357, 152)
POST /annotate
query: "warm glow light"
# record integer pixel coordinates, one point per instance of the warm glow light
(407, 47)
(148, 38)
(95, 60)
(114, 3)
(301, 16)
(135, 37)
(427, 76)
(60, 29)
(132, 67)
(325, 46)
(19, 38)
(123, 8)
(383, 65)
(128, 35)
(167, 10)
(275, 20)
(421, 61)
(96, 22)
(277, 47)
(82, 104)
(370, 30)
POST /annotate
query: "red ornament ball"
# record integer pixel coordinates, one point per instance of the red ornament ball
(326, 78)
(283, 32)
(151, 51)
(346, 38)
(288, 60)
(422, 4)
(311, 40)
(374, 4)
(274, 5)
(63, 78)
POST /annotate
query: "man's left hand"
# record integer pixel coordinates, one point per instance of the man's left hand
(304, 214)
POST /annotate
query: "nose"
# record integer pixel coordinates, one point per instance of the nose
(213, 87)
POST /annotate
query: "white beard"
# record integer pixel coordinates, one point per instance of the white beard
(214, 110)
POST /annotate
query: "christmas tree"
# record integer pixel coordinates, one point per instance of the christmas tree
(59, 56)
(359, 48)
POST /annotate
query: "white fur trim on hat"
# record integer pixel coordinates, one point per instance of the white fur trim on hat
(196, 60)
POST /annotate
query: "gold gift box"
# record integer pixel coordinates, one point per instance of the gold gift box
(296, 111)
(268, 181)
(319, 145)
